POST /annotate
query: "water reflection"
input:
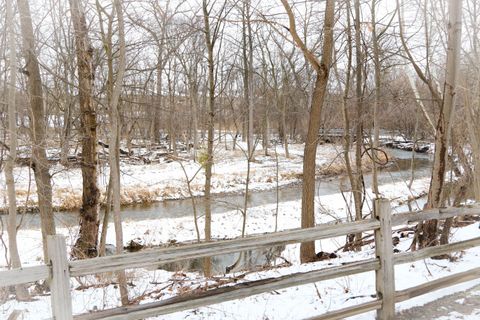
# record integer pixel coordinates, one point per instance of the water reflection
(398, 171)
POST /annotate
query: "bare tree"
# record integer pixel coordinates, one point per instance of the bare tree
(86, 244)
(345, 113)
(211, 31)
(322, 68)
(357, 187)
(190, 62)
(427, 232)
(247, 53)
(472, 90)
(38, 125)
(15, 262)
(210, 43)
(115, 156)
(376, 101)
(163, 16)
(114, 90)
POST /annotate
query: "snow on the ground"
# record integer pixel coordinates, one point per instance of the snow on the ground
(166, 180)
(291, 303)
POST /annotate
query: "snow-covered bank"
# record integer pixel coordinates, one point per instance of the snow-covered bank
(292, 303)
(166, 180)
(97, 292)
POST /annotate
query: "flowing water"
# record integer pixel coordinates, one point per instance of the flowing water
(400, 170)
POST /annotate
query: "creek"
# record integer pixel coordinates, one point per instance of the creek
(399, 170)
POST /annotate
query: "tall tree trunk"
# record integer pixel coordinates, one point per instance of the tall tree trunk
(376, 124)
(86, 244)
(443, 129)
(66, 132)
(106, 218)
(472, 100)
(473, 134)
(247, 48)
(158, 102)
(266, 131)
(15, 262)
(427, 232)
(38, 126)
(346, 119)
(358, 174)
(115, 89)
(322, 68)
(172, 128)
(207, 268)
(284, 126)
(194, 100)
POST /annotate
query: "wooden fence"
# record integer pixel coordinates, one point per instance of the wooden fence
(60, 270)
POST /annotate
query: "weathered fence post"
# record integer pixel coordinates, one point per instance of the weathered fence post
(384, 277)
(60, 278)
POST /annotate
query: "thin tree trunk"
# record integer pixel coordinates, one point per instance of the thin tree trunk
(284, 125)
(66, 132)
(420, 103)
(412, 162)
(194, 98)
(473, 134)
(266, 130)
(249, 76)
(248, 97)
(159, 99)
(171, 114)
(207, 268)
(376, 124)
(346, 117)
(37, 127)
(357, 188)
(106, 218)
(114, 92)
(15, 262)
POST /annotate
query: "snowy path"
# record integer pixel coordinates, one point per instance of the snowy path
(461, 305)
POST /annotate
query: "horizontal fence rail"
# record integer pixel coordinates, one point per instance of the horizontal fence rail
(24, 275)
(59, 272)
(437, 214)
(238, 291)
(155, 257)
(441, 283)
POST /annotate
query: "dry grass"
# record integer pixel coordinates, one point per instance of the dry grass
(338, 167)
(22, 193)
(332, 169)
(68, 199)
(138, 194)
(290, 176)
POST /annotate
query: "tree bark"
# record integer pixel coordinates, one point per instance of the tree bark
(443, 129)
(346, 119)
(86, 244)
(376, 120)
(248, 74)
(207, 268)
(357, 187)
(158, 100)
(15, 262)
(322, 68)
(38, 126)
